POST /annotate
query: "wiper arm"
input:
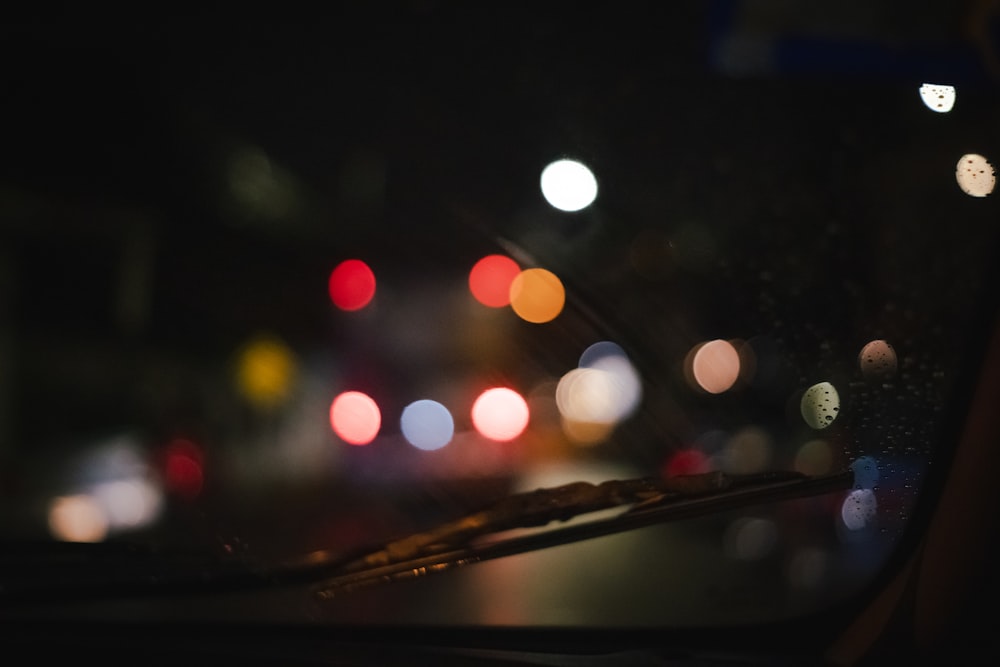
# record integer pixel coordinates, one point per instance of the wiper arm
(648, 501)
(106, 571)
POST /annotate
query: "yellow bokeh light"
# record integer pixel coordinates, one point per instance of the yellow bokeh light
(586, 433)
(537, 295)
(266, 371)
(820, 405)
(814, 458)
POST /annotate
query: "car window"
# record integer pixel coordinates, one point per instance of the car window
(305, 289)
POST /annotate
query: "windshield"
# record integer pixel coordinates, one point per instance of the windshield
(290, 294)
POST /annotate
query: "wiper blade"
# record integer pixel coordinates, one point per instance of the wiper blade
(64, 572)
(648, 501)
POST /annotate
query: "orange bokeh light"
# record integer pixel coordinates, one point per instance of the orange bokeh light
(537, 295)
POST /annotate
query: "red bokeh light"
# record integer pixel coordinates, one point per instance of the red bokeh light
(490, 279)
(352, 285)
(686, 462)
(355, 417)
(183, 468)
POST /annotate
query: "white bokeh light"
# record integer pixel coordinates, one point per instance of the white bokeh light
(975, 175)
(938, 97)
(568, 185)
(129, 503)
(859, 509)
(427, 425)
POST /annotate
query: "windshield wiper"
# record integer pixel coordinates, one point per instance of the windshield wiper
(646, 501)
(49, 573)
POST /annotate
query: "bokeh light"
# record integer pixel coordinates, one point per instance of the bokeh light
(265, 371)
(568, 185)
(593, 395)
(713, 366)
(128, 503)
(600, 350)
(814, 458)
(612, 379)
(355, 417)
(537, 295)
(877, 360)
(352, 285)
(865, 471)
(975, 175)
(183, 465)
(859, 509)
(585, 433)
(750, 538)
(808, 568)
(77, 518)
(260, 191)
(749, 450)
(490, 279)
(427, 424)
(500, 414)
(686, 462)
(820, 405)
(937, 97)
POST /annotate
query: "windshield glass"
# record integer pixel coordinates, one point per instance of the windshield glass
(291, 293)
